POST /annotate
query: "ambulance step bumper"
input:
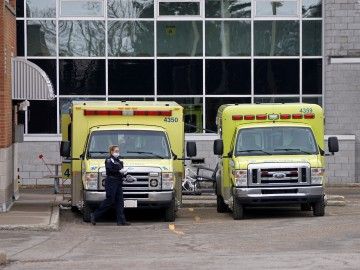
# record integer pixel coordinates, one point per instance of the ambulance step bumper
(279, 195)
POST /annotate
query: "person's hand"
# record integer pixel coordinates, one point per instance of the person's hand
(124, 171)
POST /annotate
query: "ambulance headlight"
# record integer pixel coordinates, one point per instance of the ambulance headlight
(91, 181)
(167, 180)
(317, 176)
(240, 177)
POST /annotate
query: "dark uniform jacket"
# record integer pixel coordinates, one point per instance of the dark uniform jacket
(113, 166)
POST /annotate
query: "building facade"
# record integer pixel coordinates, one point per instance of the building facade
(199, 53)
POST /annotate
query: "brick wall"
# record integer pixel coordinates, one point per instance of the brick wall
(342, 81)
(7, 51)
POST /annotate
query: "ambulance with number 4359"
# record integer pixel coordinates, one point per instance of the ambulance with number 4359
(151, 140)
(271, 154)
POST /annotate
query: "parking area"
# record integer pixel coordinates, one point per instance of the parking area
(280, 238)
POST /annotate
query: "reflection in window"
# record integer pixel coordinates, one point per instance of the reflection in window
(81, 38)
(179, 8)
(132, 38)
(82, 8)
(312, 38)
(229, 38)
(228, 8)
(212, 106)
(179, 38)
(276, 77)
(42, 117)
(82, 77)
(276, 99)
(20, 40)
(276, 38)
(193, 113)
(65, 103)
(130, 8)
(49, 67)
(312, 76)
(229, 77)
(40, 8)
(131, 77)
(41, 38)
(179, 77)
(312, 8)
(313, 100)
(276, 8)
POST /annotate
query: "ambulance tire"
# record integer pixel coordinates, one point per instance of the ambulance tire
(319, 208)
(170, 212)
(86, 213)
(238, 210)
(305, 207)
(221, 205)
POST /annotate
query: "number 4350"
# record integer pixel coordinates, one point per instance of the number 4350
(171, 119)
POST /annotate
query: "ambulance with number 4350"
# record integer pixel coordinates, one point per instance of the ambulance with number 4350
(151, 140)
(271, 154)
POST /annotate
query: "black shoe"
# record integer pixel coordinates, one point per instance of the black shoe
(124, 223)
(92, 219)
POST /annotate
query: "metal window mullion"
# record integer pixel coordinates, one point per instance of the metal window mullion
(57, 72)
(252, 51)
(300, 53)
(323, 53)
(106, 54)
(204, 69)
(155, 51)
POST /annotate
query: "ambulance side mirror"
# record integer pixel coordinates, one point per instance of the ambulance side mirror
(191, 150)
(65, 147)
(218, 147)
(333, 145)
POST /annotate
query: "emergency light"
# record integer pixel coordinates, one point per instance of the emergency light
(273, 117)
(126, 113)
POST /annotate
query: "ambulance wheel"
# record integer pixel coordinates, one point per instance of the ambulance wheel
(221, 206)
(305, 207)
(319, 208)
(238, 210)
(86, 213)
(170, 212)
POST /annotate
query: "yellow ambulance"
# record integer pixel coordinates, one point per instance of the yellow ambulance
(271, 154)
(151, 140)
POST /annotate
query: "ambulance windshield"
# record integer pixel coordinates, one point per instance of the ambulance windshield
(275, 141)
(132, 143)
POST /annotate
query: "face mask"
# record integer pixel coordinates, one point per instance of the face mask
(116, 154)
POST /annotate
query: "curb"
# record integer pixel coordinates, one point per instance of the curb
(335, 203)
(52, 226)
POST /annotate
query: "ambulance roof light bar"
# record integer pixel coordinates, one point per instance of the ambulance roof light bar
(127, 112)
(273, 117)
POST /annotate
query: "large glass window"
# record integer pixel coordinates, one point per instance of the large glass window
(312, 76)
(312, 38)
(82, 77)
(179, 77)
(179, 38)
(130, 8)
(41, 38)
(20, 8)
(311, 8)
(131, 77)
(42, 117)
(179, 8)
(276, 77)
(132, 38)
(228, 38)
(20, 39)
(276, 8)
(40, 8)
(81, 38)
(276, 38)
(212, 105)
(231, 77)
(81, 8)
(228, 8)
